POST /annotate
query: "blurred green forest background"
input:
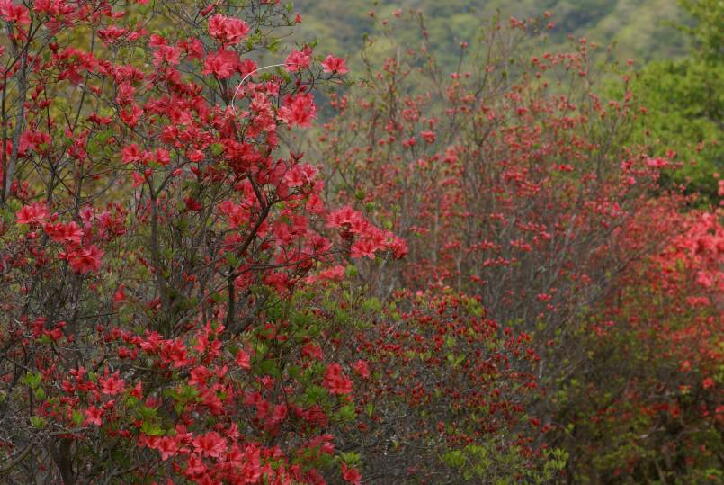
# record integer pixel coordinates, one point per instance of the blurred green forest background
(641, 29)
(675, 46)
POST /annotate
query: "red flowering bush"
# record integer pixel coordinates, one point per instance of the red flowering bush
(508, 181)
(185, 299)
(443, 393)
(153, 233)
(505, 179)
(645, 404)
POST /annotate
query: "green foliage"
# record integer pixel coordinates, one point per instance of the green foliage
(477, 462)
(684, 103)
(638, 29)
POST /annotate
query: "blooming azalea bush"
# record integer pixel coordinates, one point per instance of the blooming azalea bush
(505, 178)
(186, 298)
(645, 404)
(508, 183)
(153, 234)
(443, 393)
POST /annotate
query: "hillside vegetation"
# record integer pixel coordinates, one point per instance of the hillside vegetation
(453, 248)
(640, 29)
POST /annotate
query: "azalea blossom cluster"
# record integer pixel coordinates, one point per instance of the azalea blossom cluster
(154, 226)
(82, 258)
(675, 345)
(507, 192)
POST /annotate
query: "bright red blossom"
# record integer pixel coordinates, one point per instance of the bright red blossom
(222, 64)
(84, 260)
(35, 213)
(68, 233)
(94, 416)
(351, 475)
(298, 110)
(243, 359)
(14, 13)
(210, 444)
(112, 385)
(335, 381)
(298, 60)
(335, 65)
(227, 30)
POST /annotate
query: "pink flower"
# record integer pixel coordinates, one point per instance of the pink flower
(334, 65)
(113, 384)
(428, 136)
(131, 154)
(35, 213)
(398, 246)
(68, 233)
(84, 260)
(335, 381)
(243, 359)
(657, 162)
(298, 60)
(335, 273)
(227, 30)
(194, 466)
(210, 444)
(347, 219)
(362, 369)
(298, 110)
(174, 351)
(110, 34)
(167, 446)
(221, 64)
(300, 174)
(93, 415)
(166, 54)
(313, 351)
(14, 13)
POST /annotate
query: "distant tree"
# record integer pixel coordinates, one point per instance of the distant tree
(683, 101)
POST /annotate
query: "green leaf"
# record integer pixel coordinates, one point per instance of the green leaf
(351, 458)
(38, 421)
(147, 413)
(32, 379)
(152, 429)
(77, 417)
(347, 413)
(269, 367)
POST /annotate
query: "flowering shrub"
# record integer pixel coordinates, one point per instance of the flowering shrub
(508, 183)
(153, 233)
(645, 404)
(443, 394)
(186, 299)
(505, 179)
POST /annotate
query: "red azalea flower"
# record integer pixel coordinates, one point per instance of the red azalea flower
(227, 30)
(351, 475)
(335, 65)
(35, 213)
(298, 110)
(335, 381)
(298, 60)
(93, 415)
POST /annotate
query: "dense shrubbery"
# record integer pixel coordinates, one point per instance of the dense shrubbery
(476, 281)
